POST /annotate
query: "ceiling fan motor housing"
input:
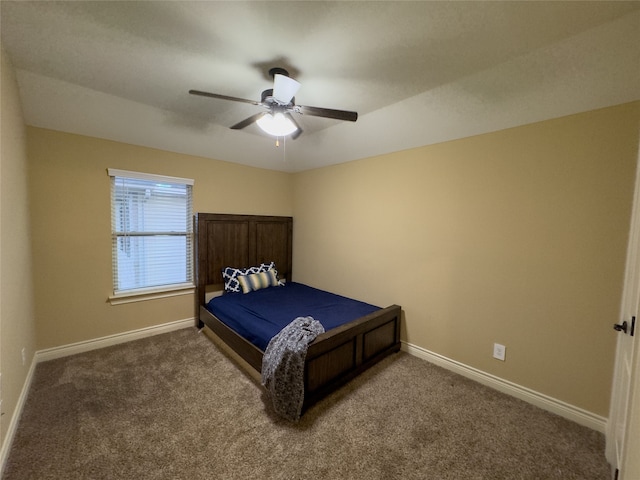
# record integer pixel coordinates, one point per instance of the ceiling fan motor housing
(267, 96)
(268, 99)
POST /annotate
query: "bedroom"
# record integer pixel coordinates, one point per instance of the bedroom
(514, 236)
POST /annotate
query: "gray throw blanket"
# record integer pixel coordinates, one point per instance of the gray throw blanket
(283, 366)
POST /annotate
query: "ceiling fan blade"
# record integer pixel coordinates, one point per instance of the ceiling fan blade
(298, 132)
(247, 121)
(328, 113)
(223, 97)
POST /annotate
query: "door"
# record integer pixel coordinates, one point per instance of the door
(626, 330)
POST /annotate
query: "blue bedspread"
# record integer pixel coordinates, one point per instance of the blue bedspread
(258, 316)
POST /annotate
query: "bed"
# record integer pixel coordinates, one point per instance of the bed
(334, 357)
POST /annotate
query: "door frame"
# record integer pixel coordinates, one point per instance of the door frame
(625, 392)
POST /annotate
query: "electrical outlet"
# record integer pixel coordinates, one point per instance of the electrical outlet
(24, 356)
(499, 351)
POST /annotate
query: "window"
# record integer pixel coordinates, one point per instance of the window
(152, 233)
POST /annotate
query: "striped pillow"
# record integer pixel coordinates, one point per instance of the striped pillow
(230, 275)
(257, 281)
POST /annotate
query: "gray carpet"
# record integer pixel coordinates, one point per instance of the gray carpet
(174, 406)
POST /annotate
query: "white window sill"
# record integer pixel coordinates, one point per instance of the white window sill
(151, 294)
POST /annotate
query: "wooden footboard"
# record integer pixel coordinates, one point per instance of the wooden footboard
(333, 358)
(339, 355)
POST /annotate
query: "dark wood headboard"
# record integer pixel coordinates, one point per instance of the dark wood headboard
(224, 240)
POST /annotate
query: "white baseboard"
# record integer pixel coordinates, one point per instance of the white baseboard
(88, 345)
(72, 349)
(13, 423)
(553, 405)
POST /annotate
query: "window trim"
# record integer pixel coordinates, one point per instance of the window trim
(114, 172)
(163, 291)
(142, 294)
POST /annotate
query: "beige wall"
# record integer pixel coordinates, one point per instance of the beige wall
(516, 237)
(71, 223)
(17, 321)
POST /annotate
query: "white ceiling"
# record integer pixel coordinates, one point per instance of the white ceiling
(416, 72)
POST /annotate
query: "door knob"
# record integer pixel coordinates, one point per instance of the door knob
(621, 327)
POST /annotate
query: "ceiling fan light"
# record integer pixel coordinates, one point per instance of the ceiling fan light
(284, 88)
(277, 125)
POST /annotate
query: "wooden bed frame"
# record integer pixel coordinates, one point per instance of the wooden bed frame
(333, 358)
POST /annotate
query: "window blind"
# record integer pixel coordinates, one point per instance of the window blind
(152, 231)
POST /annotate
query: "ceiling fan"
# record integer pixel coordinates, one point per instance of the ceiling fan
(278, 105)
